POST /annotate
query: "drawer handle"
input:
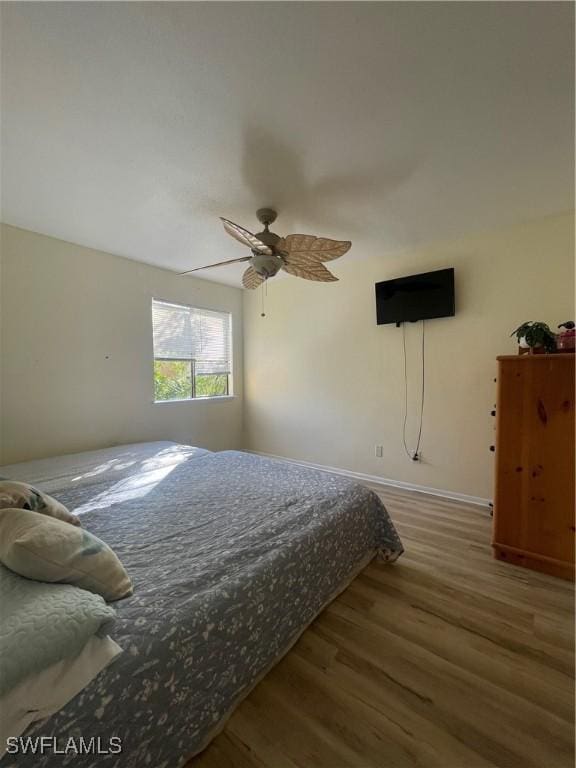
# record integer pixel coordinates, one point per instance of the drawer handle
(492, 448)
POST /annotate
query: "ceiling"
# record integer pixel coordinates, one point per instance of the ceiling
(130, 127)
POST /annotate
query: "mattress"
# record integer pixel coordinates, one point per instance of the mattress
(231, 555)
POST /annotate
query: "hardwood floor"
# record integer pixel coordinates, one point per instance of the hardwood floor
(447, 659)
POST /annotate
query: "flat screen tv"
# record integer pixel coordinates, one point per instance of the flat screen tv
(418, 297)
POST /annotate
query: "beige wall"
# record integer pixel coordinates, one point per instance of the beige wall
(324, 383)
(76, 352)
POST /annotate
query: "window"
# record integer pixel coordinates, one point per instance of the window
(192, 352)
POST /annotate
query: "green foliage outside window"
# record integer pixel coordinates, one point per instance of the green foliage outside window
(173, 381)
(211, 384)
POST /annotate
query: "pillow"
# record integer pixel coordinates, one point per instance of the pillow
(23, 496)
(46, 549)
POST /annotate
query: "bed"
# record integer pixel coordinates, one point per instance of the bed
(232, 556)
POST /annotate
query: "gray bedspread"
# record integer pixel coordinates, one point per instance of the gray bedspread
(231, 556)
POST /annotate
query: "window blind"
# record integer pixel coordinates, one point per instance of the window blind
(189, 333)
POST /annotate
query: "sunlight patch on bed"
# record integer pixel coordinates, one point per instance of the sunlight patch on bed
(172, 455)
(127, 490)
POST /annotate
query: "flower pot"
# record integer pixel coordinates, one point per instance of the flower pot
(525, 349)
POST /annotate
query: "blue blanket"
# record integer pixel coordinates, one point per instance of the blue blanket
(43, 624)
(231, 556)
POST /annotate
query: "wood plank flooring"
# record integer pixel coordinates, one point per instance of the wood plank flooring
(447, 659)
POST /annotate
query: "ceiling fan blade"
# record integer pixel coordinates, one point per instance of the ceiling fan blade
(309, 269)
(251, 278)
(320, 248)
(218, 264)
(245, 237)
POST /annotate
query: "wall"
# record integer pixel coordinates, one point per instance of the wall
(324, 384)
(76, 352)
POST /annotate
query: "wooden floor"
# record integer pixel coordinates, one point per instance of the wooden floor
(447, 659)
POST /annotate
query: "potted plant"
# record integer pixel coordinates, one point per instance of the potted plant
(535, 337)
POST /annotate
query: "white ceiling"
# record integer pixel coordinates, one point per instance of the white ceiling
(129, 127)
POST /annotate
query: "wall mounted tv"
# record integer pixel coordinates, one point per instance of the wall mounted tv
(418, 297)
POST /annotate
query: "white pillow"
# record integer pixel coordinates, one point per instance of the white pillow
(46, 549)
(24, 496)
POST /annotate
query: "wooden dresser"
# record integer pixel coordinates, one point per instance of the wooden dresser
(534, 497)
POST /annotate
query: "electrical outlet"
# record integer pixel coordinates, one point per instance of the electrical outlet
(379, 451)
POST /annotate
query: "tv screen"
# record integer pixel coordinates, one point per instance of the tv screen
(418, 297)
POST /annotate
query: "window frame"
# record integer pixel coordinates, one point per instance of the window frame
(191, 361)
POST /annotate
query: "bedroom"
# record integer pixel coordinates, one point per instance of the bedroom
(237, 456)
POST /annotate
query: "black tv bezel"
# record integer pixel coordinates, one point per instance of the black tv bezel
(398, 322)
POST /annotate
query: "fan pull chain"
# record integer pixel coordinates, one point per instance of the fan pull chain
(263, 292)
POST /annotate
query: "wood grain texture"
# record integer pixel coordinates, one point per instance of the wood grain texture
(447, 659)
(534, 494)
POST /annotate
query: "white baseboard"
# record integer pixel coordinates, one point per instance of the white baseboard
(377, 480)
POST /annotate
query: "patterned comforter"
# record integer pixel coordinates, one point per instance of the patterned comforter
(232, 555)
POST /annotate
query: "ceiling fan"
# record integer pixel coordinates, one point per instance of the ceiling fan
(299, 255)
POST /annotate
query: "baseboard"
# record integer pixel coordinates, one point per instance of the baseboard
(377, 480)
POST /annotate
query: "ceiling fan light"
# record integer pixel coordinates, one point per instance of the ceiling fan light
(265, 265)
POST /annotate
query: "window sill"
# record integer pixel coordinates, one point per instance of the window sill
(219, 399)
